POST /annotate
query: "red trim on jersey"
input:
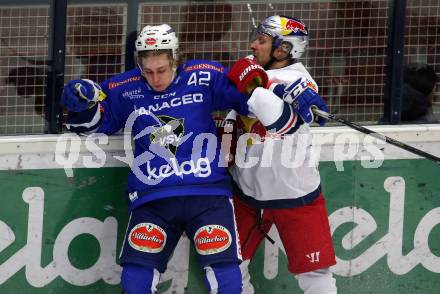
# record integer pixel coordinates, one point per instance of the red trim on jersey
(289, 125)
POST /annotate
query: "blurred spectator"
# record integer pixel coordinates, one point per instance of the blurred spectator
(27, 84)
(419, 88)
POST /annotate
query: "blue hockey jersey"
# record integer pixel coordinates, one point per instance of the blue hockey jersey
(176, 149)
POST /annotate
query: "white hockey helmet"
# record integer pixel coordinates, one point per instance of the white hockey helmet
(285, 29)
(160, 37)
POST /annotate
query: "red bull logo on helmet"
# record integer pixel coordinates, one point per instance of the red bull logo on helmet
(293, 25)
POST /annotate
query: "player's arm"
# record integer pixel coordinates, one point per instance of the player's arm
(225, 95)
(276, 115)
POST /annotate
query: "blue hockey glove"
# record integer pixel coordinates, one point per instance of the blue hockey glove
(303, 99)
(79, 95)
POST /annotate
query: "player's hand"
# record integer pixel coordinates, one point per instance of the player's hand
(79, 95)
(303, 99)
(246, 74)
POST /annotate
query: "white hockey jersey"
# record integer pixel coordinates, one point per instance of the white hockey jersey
(286, 174)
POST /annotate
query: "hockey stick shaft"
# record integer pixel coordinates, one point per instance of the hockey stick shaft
(374, 134)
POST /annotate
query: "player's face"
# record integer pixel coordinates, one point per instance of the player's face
(261, 47)
(158, 70)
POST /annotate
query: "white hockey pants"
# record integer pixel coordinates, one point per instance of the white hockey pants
(317, 282)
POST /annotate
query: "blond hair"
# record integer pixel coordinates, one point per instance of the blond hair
(148, 53)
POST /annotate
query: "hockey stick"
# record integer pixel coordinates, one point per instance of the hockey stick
(372, 133)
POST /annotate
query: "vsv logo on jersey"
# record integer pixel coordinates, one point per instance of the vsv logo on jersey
(147, 237)
(169, 134)
(212, 239)
(170, 139)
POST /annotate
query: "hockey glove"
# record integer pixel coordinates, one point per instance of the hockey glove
(303, 99)
(79, 95)
(246, 74)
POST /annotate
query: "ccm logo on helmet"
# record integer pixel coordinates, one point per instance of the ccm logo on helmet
(212, 239)
(248, 69)
(296, 26)
(147, 237)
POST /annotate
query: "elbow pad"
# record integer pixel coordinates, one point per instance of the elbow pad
(276, 115)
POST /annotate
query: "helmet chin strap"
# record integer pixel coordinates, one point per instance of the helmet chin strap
(273, 59)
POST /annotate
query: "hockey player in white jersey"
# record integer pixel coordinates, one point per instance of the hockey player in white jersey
(285, 193)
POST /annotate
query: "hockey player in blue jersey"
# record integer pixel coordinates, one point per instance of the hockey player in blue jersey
(177, 182)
